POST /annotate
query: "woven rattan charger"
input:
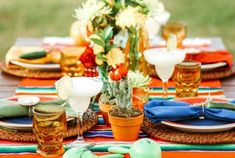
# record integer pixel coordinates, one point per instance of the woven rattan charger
(162, 132)
(21, 72)
(218, 73)
(90, 119)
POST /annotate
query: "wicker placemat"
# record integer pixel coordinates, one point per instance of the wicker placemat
(168, 134)
(90, 119)
(20, 72)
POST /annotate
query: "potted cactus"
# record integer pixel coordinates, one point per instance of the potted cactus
(124, 119)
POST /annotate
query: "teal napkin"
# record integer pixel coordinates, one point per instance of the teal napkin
(220, 105)
(9, 108)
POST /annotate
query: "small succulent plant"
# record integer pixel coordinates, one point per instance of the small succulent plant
(138, 79)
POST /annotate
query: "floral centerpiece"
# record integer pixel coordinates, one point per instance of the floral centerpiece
(126, 17)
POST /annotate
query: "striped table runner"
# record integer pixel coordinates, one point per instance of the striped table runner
(102, 134)
(47, 88)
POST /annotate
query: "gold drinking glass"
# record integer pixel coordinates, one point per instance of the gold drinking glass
(49, 126)
(187, 77)
(176, 28)
(70, 63)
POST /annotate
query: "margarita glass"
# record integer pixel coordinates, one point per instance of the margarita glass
(164, 61)
(78, 91)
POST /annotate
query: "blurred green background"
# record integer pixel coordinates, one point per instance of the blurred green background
(38, 18)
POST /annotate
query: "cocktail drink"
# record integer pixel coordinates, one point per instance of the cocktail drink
(78, 91)
(164, 61)
(49, 126)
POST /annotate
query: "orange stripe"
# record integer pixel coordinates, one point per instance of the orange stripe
(212, 83)
(155, 83)
(200, 93)
(36, 82)
(165, 154)
(23, 93)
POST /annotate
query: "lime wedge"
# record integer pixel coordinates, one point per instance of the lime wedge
(64, 87)
(172, 42)
(48, 109)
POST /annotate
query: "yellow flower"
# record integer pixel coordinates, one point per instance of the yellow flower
(130, 17)
(98, 61)
(114, 57)
(97, 49)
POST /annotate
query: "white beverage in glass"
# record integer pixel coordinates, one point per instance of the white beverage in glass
(78, 92)
(83, 89)
(164, 61)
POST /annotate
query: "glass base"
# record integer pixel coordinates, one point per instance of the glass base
(80, 144)
(51, 154)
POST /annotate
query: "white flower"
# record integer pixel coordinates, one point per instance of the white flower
(154, 7)
(130, 17)
(91, 9)
(121, 39)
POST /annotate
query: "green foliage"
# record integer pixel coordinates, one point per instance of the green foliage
(99, 42)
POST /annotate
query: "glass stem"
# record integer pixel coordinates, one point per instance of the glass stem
(165, 88)
(79, 126)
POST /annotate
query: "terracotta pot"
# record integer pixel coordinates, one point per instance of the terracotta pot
(104, 109)
(126, 129)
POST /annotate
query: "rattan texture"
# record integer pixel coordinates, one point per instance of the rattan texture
(165, 133)
(90, 119)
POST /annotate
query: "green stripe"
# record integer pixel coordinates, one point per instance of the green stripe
(100, 148)
(34, 89)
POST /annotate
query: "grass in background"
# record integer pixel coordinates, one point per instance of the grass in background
(34, 18)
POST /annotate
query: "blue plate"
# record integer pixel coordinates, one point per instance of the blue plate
(17, 123)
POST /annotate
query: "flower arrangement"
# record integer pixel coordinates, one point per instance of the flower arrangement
(106, 56)
(125, 17)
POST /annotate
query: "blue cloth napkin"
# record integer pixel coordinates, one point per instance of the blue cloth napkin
(163, 110)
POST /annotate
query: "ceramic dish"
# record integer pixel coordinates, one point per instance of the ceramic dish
(213, 66)
(200, 125)
(21, 123)
(45, 67)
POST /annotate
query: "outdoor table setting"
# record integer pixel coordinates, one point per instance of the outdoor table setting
(117, 88)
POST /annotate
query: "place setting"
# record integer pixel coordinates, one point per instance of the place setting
(127, 81)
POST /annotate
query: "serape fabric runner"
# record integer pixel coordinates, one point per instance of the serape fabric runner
(47, 88)
(102, 135)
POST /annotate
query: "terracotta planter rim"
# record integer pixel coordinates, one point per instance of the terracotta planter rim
(131, 121)
(124, 118)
